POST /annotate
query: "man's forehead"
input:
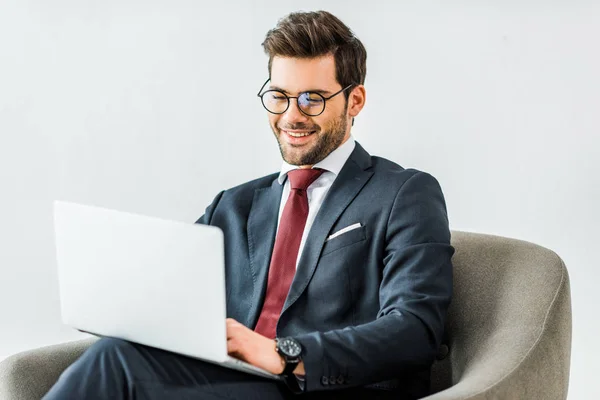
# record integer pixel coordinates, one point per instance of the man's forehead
(302, 74)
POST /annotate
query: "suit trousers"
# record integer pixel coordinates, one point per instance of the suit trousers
(118, 369)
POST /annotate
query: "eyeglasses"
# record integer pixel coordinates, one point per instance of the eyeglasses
(309, 103)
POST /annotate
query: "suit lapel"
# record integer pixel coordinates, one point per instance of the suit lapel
(262, 226)
(346, 186)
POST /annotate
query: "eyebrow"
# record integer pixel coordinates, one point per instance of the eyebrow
(320, 91)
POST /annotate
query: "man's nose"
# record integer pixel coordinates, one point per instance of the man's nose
(293, 113)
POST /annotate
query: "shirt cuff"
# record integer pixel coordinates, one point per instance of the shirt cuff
(301, 381)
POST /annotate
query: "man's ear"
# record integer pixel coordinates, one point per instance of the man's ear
(356, 101)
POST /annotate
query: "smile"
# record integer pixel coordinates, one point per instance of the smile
(298, 134)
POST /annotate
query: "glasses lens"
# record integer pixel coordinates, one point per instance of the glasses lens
(311, 103)
(275, 101)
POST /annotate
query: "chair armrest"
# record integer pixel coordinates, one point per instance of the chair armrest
(30, 374)
(502, 368)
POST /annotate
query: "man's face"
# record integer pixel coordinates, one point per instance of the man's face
(305, 140)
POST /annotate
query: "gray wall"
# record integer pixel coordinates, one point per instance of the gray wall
(149, 106)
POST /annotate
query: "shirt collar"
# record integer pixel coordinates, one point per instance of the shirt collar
(332, 163)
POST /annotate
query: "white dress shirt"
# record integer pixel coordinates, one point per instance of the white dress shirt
(316, 192)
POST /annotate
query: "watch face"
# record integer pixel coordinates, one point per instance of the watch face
(290, 347)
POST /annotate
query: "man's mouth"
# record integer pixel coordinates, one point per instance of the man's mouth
(298, 134)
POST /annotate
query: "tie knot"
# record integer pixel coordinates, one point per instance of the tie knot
(302, 178)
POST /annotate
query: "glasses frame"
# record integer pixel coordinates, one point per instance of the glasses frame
(259, 94)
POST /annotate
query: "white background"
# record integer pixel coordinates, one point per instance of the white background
(150, 107)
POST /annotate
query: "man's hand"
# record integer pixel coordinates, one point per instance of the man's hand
(255, 349)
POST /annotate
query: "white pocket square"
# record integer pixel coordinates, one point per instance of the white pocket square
(344, 230)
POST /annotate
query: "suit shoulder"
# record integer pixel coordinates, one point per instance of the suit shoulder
(252, 185)
(393, 173)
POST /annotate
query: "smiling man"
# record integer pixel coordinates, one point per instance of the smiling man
(309, 131)
(338, 267)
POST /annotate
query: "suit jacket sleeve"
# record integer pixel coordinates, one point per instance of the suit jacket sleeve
(414, 295)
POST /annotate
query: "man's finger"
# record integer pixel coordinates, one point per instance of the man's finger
(232, 346)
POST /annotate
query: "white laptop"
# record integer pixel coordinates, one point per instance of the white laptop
(147, 280)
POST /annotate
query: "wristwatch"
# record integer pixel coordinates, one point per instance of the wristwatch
(290, 351)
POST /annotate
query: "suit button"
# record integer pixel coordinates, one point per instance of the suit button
(442, 352)
(340, 379)
(332, 380)
(325, 380)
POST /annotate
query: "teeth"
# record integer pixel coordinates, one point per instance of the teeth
(294, 134)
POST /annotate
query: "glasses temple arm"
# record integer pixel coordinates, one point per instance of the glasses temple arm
(263, 86)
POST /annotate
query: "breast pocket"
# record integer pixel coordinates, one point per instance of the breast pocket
(344, 240)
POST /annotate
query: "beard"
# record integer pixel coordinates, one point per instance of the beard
(326, 141)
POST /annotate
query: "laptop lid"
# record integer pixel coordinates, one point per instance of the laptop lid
(144, 279)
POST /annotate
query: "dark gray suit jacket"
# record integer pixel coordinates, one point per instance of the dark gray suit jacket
(368, 306)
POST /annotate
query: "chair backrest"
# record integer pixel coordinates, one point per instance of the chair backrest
(509, 322)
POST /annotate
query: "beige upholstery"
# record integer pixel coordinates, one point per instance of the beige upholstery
(509, 325)
(509, 329)
(29, 375)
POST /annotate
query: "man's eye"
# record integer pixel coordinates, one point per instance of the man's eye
(312, 98)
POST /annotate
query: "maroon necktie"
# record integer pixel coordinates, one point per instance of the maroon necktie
(285, 251)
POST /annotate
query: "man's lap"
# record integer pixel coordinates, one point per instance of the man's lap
(125, 369)
(113, 368)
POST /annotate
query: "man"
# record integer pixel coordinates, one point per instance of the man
(338, 268)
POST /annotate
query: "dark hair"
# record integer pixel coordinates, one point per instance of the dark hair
(316, 34)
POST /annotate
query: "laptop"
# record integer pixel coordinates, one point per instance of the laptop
(147, 280)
